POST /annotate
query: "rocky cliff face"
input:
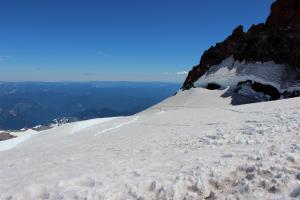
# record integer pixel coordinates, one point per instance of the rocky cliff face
(278, 40)
(284, 13)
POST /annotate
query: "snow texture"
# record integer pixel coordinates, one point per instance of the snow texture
(194, 145)
(20, 137)
(79, 126)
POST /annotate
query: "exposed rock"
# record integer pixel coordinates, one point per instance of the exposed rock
(291, 94)
(259, 87)
(276, 40)
(267, 89)
(284, 13)
(6, 136)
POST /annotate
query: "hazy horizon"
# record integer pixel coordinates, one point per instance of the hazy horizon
(90, 81)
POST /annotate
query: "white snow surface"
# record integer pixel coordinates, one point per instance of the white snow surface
(21, 136)
(231, 72)
(194, 145)
(79, 126)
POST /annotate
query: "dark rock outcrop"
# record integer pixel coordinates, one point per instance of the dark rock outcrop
(291, 94)
(269, 90)
(284, 13)
(278, 40)
(6, 136)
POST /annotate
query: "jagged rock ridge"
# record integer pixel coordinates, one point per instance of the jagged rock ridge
(278, 40)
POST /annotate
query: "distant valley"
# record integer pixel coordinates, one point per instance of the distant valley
(28, 104)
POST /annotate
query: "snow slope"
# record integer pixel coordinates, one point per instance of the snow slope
(194, 145)
(20, 137)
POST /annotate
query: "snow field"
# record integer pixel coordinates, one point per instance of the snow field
(194, 145)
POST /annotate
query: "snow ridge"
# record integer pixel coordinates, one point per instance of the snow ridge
(119, 125)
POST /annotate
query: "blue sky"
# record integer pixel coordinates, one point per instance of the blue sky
(135, 40)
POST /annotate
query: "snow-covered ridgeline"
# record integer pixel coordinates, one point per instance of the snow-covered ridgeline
(194, 145)
(231, 72)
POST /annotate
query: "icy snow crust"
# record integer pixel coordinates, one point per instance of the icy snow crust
(231, 72)
(194, 145)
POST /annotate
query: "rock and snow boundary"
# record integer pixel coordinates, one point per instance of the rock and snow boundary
(194, 145)
(239, 76)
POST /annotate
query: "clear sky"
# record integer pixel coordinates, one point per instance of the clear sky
(135, 40)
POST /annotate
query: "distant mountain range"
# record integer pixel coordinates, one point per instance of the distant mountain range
(27, 104)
